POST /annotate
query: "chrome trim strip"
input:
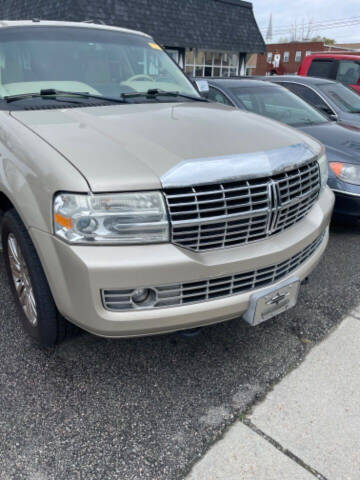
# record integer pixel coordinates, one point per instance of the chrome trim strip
(346, 193)
(243, 166)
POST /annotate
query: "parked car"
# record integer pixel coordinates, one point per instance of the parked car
(332, 98)
(344, 68)
(131, 205)
(276, 102)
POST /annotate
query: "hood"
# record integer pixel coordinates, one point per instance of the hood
(349, 119)
(130, 147)
(342, 143)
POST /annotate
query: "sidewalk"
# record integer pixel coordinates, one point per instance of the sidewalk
(307, 427)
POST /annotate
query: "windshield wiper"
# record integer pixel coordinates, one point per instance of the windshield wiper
(51, 92)
(155, 92)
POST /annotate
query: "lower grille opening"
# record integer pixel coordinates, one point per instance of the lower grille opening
(212, 288)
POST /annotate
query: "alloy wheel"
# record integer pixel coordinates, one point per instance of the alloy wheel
(22, 280)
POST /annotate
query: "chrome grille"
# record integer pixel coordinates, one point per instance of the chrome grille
(206, 217)
(203, 290)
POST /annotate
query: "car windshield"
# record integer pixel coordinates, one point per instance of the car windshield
(86, 59)
(279, 104)
(342, 96)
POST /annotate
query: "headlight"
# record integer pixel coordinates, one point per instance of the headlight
(347, 172)
(120, 218)
(324, 170)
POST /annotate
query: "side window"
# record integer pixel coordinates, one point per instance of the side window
(216, 96)
(348, 72)
(321, 68)
(306, 94)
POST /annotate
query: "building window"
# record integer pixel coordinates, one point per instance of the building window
(298, 56)
(269, 57)
(308, 52)
(286, 56)
(202, 63)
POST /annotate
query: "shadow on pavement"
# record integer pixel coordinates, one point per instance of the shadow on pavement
(148, 407)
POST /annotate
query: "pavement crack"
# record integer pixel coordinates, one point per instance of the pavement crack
(283, 450)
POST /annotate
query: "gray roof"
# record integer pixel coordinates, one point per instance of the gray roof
(297, 79)
(227, 25)
(240, 81)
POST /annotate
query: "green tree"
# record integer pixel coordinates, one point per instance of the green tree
(319, 38)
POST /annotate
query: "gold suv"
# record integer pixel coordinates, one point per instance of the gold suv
(133, 206)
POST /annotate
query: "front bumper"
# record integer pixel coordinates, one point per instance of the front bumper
(77, 274)
(347, 198)
(347, 204)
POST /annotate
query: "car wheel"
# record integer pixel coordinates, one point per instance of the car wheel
(31, 290)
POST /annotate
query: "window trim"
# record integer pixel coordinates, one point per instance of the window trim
(203, 66)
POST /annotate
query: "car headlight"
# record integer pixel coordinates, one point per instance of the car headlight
(324, 170)
(117, 218)
(347, 172)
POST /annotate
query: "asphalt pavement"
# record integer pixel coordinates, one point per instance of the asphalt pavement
(149, 408)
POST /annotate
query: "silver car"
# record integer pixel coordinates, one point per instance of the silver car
(132, 206)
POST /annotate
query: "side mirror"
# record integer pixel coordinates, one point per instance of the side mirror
(202, 86)
(325, 109)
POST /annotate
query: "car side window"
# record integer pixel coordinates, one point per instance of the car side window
(217, 96)
(348, 72)
(321, 68)
(307, 94)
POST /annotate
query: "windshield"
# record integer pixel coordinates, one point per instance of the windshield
(84, 59)
(279, 104)
(343, 97)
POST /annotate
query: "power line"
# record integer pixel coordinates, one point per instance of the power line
(319, 25)
(321, 21)
(315, 27)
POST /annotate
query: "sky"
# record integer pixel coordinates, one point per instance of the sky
(286, 12)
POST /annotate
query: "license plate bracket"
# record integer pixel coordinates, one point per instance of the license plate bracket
(272, 301)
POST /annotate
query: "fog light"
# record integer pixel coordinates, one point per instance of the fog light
(140, 295)
(143, 297)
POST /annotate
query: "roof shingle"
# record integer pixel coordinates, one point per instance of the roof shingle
(227, 25)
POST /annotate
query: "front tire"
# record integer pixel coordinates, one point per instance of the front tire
(38, 311)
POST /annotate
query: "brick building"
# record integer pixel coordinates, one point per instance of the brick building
(285, 58)
(206, 37)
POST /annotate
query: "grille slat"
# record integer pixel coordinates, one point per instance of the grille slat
(217, 287)
(272, 204)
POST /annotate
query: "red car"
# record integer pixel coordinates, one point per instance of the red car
(341, 67)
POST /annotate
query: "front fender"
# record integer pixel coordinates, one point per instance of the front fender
(31, 171)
